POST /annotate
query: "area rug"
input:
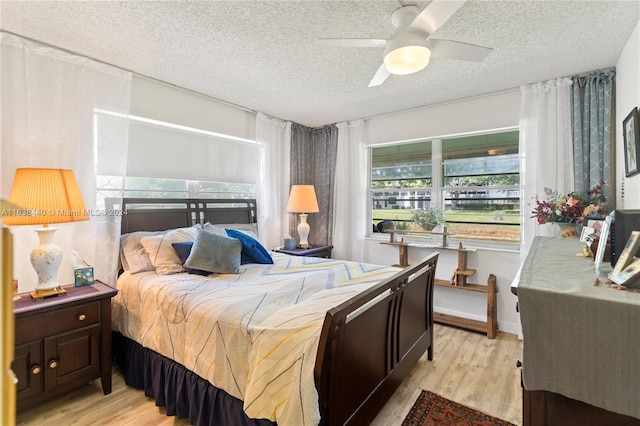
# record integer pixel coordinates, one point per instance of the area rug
(432, 409)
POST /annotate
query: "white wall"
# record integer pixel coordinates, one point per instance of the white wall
(493, 111)
(477, 114)
(627, 97)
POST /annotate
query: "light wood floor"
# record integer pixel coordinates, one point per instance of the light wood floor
(467, 368)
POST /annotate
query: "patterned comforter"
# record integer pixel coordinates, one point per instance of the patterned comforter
(254, 335)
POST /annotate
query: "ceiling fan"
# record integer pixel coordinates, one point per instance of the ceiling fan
(410, 47)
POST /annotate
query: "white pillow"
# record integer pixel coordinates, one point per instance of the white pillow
(161, 254)
(133, 257)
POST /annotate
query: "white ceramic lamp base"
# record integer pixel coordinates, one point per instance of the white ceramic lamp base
(46, 259)
(303, 230)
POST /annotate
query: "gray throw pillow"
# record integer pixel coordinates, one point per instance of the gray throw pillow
(214, 253)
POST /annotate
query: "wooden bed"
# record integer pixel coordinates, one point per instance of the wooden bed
(368, 344)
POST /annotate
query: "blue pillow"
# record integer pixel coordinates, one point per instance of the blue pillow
(252, 250)
(183, 250)
(215, 253)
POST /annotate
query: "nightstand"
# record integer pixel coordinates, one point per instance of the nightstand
(315, 251)
(62, 342)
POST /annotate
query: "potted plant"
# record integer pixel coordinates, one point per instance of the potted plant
(428, 219)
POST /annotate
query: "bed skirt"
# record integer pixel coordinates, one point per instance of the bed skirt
(182, 392)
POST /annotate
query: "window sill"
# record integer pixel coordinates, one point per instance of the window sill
(432, 242)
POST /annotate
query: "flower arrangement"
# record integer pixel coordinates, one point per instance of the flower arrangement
(572, 208)
(427, 219)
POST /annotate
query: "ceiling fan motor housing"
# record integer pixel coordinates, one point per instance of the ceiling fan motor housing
(404, 16)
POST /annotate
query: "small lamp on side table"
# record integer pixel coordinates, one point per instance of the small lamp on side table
(47, 196)
(302, 199)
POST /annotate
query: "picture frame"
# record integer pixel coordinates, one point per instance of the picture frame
(631, 137)
(602, 245)
(596, 224)
(626, 257)
(587, 235)
(83, 276)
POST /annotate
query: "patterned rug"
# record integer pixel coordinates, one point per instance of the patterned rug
(432, 409)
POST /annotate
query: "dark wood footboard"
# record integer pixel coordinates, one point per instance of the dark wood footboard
(370, 343)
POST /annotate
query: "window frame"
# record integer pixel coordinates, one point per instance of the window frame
(437, 187)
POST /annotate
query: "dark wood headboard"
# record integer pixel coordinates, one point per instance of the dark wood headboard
(159, 214)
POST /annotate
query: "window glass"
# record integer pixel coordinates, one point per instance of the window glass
(177, 188)
(400, 183)
(110, 188)
(481, 186)
(399, 165)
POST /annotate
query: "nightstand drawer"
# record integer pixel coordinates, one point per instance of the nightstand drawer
(38, 326)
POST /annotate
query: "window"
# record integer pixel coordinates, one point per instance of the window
(473, 180)
(401, 182)
(177, 188)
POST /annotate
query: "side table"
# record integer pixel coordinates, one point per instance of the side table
(315, 251)
(62, 342)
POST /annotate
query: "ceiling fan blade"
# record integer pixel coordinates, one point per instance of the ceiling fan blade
(456, 50)
(380, 77)
(352, 42)
(435, 15)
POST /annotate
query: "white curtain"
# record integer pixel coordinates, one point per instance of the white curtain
(272, 190)
(546, 149)
(350, 195)
(64, 111)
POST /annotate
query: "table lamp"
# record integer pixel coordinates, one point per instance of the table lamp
(46, 196)
(302, 199)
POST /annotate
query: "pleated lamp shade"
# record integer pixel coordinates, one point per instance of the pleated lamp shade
(46, 196)
(302, 199)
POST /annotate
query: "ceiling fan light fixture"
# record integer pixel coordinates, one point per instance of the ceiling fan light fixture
(407, 59)
(406, 53)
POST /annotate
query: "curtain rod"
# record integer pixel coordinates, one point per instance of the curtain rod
(586, 74)
(193, 92)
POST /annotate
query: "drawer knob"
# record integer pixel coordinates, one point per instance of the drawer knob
(53, 363)
(35, 369)
(82, 317)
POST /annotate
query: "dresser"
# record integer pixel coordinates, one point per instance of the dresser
(581, 342)
(62, 342)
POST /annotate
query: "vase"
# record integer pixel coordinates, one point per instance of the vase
(566, 230)
(428, 226)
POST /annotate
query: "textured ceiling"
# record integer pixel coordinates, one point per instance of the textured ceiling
(261, 54)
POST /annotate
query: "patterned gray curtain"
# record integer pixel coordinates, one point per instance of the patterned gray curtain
(313, 162)
(593, 104)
